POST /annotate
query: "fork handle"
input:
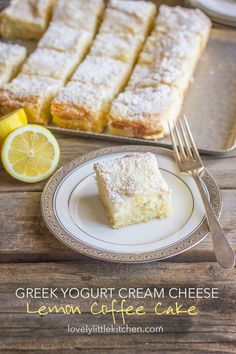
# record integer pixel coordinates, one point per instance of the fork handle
(224, 253)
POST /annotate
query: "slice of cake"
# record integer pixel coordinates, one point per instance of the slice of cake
(34, 94)
(172, 19)
(124, 47)
(168, 59)
(145, 113)
(174, 72)
(128, 17)
(103, 71)
(12, 57)
(80, 14)
(132, 189)
(50, 63)
(26, 19)
(66, 39)
(82, 107)
(183, 45)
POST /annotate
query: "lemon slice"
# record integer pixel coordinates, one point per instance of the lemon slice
(11, 122)
(30, 153)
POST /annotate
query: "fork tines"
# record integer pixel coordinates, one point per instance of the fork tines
(185, 149)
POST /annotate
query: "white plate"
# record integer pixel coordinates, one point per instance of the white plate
(74, 213)
(222, 11)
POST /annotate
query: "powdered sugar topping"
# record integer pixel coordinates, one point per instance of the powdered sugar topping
(183, 19)
(144, 104)
(46, 62)
(63, 38)
(102, 71)
(133, 175)
(11, 53)
(27, 86)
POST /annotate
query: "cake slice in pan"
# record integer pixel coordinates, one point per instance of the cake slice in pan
(145, 113)
(171, 19)
(12, 57)
(103, 71)
(80, 14)
(121, 46)
(128, 17)
(66, 39)
(174, 72)
(50, 63)
(81, 107)
(84, 103)
(168, 58)
(173, 45)
(26, 19)
(132, 189)
(34, 94)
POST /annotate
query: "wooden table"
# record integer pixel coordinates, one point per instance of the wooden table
(31, 257)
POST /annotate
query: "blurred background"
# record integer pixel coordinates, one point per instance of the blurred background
(220, 11)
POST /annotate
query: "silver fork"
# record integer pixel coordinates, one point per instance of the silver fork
(189, 161)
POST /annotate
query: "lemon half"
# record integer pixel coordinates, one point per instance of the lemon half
(30, 153)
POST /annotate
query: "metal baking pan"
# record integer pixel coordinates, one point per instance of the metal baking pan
(210, 103)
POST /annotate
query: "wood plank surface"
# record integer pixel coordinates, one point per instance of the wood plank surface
(23, 235)
(223, 168)
(211, 331)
